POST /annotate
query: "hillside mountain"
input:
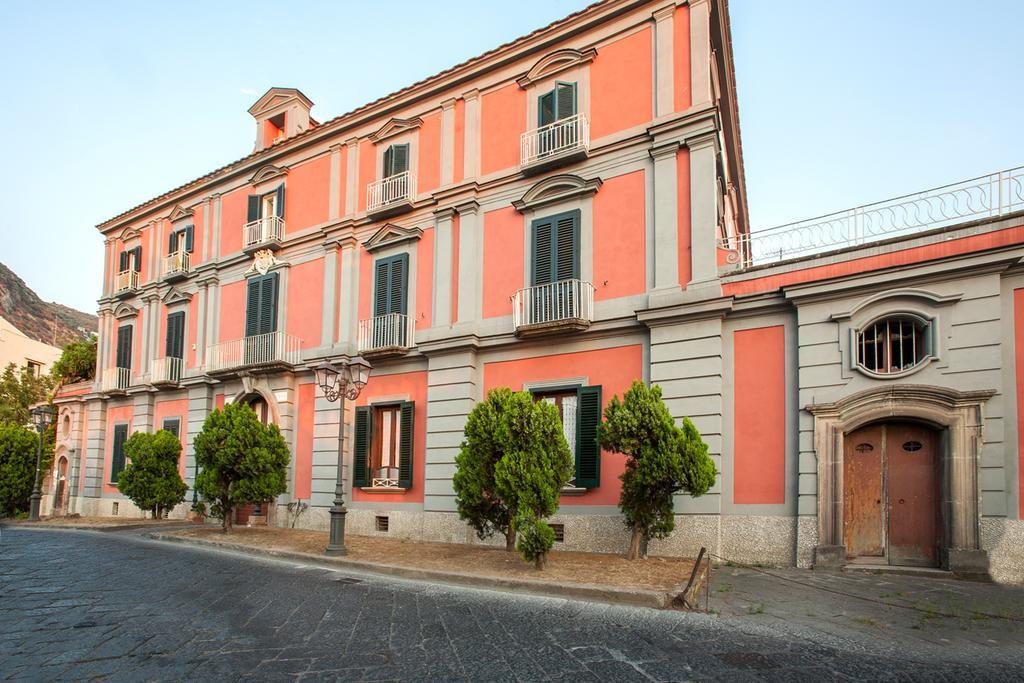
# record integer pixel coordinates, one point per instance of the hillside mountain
(48, 322)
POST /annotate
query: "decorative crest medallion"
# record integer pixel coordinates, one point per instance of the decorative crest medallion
(262, 261)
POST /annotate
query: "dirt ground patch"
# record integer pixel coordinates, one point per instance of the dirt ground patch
(655, 573)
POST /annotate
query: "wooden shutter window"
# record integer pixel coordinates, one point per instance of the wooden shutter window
(173, 426)
(361, 446)
(261, 305)
(189, 230)
(588, 452)
(556, 248)
(546, 109)
(543, 252)
(253, 211)
(137, 259)
(381, 279)
(176, 335)
(117, 452)
(565, 100)
(391, 283)
(405, 455)
(279, 205)
(172, 242)
(396, 160)
(124, 346)
(252, 307)
(122, 262)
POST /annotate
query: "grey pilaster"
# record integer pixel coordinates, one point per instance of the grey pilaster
(472, 132)
(330, 296)
(348, 299)
(334, 191)
(352, 176)
(663, 69)
(142, 413)
(207, 220)
(215, 249)
(703, 211)
(200, 322)
(448, 141)
(453, 382)
(470, 262)
(666, 223)
(325, 451)
(442, 290)
(96, 416)
(700, 52)
(200, 404)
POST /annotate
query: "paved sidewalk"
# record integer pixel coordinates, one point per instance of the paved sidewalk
(905, 612)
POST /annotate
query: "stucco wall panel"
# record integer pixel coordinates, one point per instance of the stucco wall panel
(503, 260)
(622, 85)
(307, 194)
(305, 302)
(619, 237)
(502, 122)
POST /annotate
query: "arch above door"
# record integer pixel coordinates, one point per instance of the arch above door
(958, 414)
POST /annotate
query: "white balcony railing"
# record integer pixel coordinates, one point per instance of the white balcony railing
(554, 302)
(260, 349)
(392, 190)
(561, 136)
(178, 262)
(988, 196)
(113, 379)
(263, 230)
(127, 281)
(165, 370)
(391, 331)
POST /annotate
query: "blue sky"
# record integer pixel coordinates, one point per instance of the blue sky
(111, 104)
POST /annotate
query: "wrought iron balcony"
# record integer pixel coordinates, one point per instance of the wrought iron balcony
(263, 233)
(127, 282)
(391, 195)
(562, 305)
(990, 196)
(563, 141)
(165, 371)
(267, 351)
(177, 266)
(115, 379)
(391, 334)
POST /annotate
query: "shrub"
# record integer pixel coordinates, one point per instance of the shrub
(243, 461)
(76, 363)
(661, 460)
(20, 389)
(151, 479)
(510, 470)
(18, 468)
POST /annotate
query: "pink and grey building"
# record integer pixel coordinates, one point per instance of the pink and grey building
(566, 214)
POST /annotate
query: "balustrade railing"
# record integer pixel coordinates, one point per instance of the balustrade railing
(113, 379)
(565, 300)
(400, 187)
(175, 263)
(988, 196)
(127, 280)
(391, 331)
(264, 229)
(260, 349)
(165, 370)
(561, 136)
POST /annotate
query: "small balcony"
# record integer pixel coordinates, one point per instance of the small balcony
(127, 283)
(565, 305)
(263, 233)
(268, 352)
(177, 266)
(391, 195)
(386, 335)
(115, 380)
(165, 371)
(562, 142)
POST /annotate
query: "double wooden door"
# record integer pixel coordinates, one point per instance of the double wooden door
(891, 493)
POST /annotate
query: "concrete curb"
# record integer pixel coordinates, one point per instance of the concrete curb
(31, 526)
(583, 591)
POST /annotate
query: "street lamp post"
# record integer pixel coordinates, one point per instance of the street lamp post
(339, 383)
(42, 416)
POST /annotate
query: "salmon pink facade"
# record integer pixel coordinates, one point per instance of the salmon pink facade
(566, 214)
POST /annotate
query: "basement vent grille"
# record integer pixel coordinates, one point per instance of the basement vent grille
(559, 530)
(382, 523)
(113, 509)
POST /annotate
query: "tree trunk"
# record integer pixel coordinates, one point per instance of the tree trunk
(226, 524)
(634, 543)
(540, 561)
(510, 541)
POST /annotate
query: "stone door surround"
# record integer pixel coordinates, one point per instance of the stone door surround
(958, 414)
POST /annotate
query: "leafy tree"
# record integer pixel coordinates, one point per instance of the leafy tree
(18, 467)
(661, 459)
(19, 390)
(77, 363)
(243, 460)
(510, 470)
(151, 477)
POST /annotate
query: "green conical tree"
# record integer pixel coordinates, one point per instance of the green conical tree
(151, 478)
(243, 460)
(511, 469)
(661, 460)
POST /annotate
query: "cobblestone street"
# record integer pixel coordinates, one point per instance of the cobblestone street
(82, 605)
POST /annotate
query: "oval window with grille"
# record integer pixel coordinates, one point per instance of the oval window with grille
(912, 446)
(893, 345)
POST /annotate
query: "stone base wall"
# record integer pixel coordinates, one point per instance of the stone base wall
(103, 507)
(1004, 541)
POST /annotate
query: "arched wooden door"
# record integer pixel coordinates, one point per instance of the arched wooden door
(60, 489)
(891, 494)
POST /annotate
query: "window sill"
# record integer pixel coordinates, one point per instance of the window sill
(383, 489)
(573, 491)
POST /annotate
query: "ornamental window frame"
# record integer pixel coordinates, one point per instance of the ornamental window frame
(929, 340)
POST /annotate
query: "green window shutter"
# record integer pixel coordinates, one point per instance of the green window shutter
(398, 283)
(172, 425)
(401, 158)
(117, 453)
(405, 455)
(268, 304)
(361, 450)
(124, 346)
(588, 453)
(176, 335)
(252, 307)
(253, 212)
(543, 252)
(189, 230)
(567, 246)
(122, 262)
(137, 257)
(381, 279)
(172, 242)
(565, 100)
(279, 207)
(546, 109)
(389, 162)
